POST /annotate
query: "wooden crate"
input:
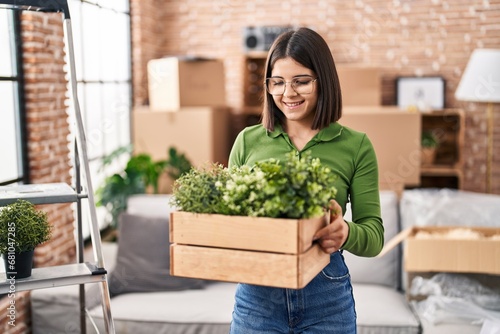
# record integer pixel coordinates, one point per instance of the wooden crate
(261, 251)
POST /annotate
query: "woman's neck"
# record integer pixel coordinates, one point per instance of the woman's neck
(299, 133)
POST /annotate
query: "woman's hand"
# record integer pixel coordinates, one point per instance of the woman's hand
(334, 235)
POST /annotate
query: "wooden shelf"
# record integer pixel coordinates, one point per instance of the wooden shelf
(447, 171)
(253, 80)
(440, 170)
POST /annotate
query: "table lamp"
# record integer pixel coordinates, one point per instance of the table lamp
(480, 82)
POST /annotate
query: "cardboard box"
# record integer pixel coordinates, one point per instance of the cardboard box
(395, 135)
(175, 82)
(261, 251)
(449, 249)
(360, 85)
(201, 133)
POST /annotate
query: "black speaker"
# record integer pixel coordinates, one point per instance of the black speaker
(261, 38)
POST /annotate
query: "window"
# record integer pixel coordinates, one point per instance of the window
(101, 33)
(12, 148)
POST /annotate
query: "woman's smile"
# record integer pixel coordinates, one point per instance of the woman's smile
(293, 105)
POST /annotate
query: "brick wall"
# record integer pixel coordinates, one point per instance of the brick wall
(48, 153)
(403, 38)
(48, 130)
(147, 37)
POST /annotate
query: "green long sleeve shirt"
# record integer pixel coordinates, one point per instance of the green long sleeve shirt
(347, 153)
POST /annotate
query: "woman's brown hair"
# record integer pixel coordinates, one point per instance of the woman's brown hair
(309, 49)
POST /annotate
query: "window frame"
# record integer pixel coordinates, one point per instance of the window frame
(18, 77)
(85, 85)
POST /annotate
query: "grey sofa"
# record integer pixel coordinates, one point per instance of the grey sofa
(378, 283)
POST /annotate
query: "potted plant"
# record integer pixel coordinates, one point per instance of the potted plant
(296, 188)
(258, 219)
(22, 228)
(429, 145)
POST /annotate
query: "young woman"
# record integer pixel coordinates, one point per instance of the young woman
(302, 107)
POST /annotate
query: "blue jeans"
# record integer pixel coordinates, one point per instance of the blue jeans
(324, 306)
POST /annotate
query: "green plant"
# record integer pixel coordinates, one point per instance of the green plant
(294, 188)
(140, 172)
(177, 164)
(199, 190)
(429, 139)
(23, 227)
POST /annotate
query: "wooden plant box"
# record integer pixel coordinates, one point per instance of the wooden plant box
(261, 251)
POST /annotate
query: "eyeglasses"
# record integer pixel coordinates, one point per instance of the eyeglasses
(301, 85)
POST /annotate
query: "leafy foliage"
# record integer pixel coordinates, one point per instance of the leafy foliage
(23, 224)
(429, 139)
(294, 188)
(113, 194)
(140, 173)
(177, 164)
(200, 190)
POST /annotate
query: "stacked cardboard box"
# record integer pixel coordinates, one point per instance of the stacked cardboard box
(187, 111)
(395, 135)
(361, 85)
(174, 83)
(201, 133)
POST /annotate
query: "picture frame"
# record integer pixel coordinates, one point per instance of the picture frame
(422, 93)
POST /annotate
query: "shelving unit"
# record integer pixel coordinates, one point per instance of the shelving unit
(447, 170)
(253, 78)
(82, 272)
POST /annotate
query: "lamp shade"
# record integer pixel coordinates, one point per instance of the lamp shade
(481, 79)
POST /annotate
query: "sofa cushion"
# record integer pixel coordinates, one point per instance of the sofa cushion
(143, 259)
(150, 205)
(379, 270)
(383, 310)
(206, 311)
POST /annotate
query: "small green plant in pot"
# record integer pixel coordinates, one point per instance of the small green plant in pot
(22, 229)
(429, 145)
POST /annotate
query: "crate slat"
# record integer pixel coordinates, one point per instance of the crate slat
(292, 236)
(293, 271)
